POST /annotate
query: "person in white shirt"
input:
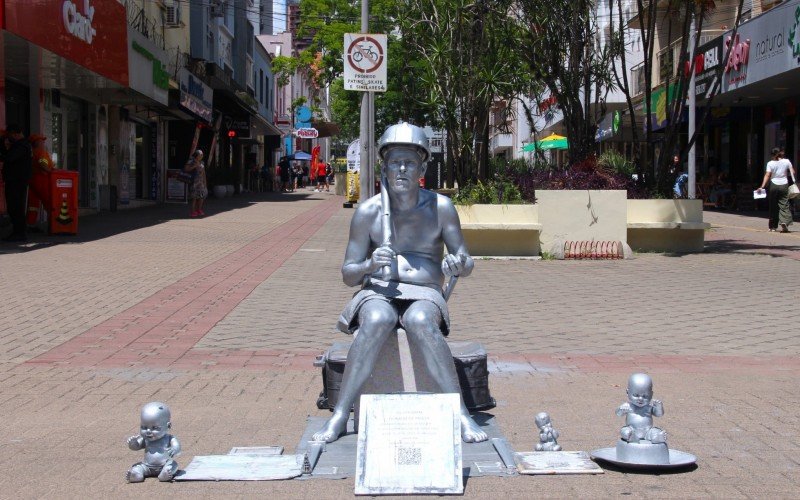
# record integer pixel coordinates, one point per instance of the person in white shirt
(777, 174)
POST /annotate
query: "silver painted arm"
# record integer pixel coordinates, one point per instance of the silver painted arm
(357, 260)
(458, 261)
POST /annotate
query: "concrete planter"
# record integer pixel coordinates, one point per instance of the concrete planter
(500, 230)
(581, 215)
(666, 225)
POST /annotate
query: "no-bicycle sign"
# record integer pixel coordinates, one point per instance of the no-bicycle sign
(365, 62)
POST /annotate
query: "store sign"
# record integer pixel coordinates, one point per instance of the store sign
(79, 24)
(763, 47)
(609, 126)
(307, 133)
(147, 68)
(196, 96)
(91, 33)
(706, 66)
(365, 62)
(240, 126)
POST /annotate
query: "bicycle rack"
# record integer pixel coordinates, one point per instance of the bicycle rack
(594, 250)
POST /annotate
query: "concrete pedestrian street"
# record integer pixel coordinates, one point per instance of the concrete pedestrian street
(221, 318)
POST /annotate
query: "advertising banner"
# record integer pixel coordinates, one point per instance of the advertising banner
(763, 47)
(91, 33)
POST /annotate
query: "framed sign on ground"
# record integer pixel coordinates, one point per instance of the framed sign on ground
(409, 444)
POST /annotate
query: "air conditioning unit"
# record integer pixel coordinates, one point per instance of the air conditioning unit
(173, 15)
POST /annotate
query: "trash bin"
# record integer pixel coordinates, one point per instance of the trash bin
(63, 202)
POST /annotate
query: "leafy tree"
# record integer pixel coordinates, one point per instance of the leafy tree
(466, 48)
(561, 48)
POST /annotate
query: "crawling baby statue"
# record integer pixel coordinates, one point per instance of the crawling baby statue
(640, 410)
(547, 435)
(160, 448)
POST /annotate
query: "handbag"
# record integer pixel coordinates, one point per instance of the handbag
(186, 177)
(794, 191)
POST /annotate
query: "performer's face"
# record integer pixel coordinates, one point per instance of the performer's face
(403, 168)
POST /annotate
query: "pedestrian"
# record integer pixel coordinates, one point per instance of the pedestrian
(17, 171)
(297, 172)
(777, 174)
(322, 177)
(284, 173)
(198, 189)
(679, 189)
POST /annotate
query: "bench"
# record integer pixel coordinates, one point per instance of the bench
(666, 225)
(501, 230)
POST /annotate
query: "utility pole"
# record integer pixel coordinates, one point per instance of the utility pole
(367, 132)
(692, 111)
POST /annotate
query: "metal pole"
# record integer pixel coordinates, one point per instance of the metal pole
(692, 112)
(367, 133)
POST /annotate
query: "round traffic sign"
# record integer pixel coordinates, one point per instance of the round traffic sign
(365, 54)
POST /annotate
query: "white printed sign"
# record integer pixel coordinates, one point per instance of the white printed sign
(365, 58)
(409, 444)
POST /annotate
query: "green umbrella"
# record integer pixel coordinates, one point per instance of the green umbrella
(552, 141)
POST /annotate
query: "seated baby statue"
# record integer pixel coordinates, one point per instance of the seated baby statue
(639, 411)
(547, 435)
(160, 448)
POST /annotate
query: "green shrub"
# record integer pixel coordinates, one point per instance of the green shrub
(614, 161)
(500, 191)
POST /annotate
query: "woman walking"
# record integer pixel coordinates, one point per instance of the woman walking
(777, 174)
(198, 190)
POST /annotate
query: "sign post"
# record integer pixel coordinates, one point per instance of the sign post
(365, 58)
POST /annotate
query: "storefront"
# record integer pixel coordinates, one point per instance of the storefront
(59, 58)
(762, 79)
(193, 101)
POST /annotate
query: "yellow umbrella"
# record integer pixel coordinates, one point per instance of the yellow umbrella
(552, 141)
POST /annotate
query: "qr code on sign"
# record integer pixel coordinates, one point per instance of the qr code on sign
(409, 456)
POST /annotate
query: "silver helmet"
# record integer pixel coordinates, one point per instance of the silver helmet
(404, 133)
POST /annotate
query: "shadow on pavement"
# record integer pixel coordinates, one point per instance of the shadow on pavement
(105, 224)
(744, 247)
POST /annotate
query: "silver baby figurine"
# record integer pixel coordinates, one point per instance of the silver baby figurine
(160, 448)
(547, 435)
(640, 410)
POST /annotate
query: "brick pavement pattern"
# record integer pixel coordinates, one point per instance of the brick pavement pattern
(221, 317)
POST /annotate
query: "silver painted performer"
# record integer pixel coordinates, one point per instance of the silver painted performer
(160, 448)
(402, 275)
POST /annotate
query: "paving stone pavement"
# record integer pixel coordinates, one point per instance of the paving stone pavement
(221, 318)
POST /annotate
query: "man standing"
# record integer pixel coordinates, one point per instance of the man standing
(17, 172)
(402, 278)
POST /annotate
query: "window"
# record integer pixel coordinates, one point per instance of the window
(261, 85)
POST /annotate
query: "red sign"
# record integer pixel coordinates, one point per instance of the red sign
(92, 33)
(740, 53)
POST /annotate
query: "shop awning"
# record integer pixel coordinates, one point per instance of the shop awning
(326, 129)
